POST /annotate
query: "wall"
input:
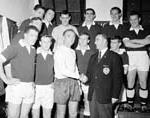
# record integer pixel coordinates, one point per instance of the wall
(16, 10)
(102, 7)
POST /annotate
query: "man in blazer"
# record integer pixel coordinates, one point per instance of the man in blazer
(105, 73)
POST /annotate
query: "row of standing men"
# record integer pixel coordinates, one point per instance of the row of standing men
(103, 77)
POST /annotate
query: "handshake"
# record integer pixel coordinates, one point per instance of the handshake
(83, 78)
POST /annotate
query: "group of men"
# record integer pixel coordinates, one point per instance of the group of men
(43, 74)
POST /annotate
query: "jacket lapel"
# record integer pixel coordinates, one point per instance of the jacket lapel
(103, 57)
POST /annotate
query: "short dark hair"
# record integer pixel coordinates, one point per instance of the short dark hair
(47, 9)
(117, 38)
(115, 8)
(67, 30)
(132, 13)
(36, 7)
(30, 27)
(85, 33)
(46, 36)
(65, 12)
(90, 9)
(103, 35)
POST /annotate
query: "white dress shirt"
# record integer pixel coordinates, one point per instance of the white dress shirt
(103, 52)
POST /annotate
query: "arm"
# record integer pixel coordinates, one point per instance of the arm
(131, 44)
(9, 53)
(89, 70)
(6, 79)
(125, 60)
(145, 41)
(2, 75)
(53, 34)
(117, 75)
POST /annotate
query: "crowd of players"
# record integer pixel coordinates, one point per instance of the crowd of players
(62, 64)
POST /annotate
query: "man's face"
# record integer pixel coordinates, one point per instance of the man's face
(134, 21)
(69, 37)
(49, 15)
(37, 24)
(115, 15)
(64, 18)
(45, 43)
(31, 36)
(39, 13)
(89, 16)
(100, 42)
(114, 44)
(83, 40)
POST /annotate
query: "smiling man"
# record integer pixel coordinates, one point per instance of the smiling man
(58, 31)
(105, 73)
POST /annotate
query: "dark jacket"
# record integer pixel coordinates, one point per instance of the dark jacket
(46, 30)
(105, 77)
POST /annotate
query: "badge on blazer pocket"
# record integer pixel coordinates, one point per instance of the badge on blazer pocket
(106, 69)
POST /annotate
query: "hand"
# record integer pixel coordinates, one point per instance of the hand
(83, 78)
(12, 81)
(125, 71)
(52, 85)
(114, 100)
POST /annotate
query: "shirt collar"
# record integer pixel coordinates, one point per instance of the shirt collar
(47, 23)
(140, 28)
(119, 23)
(84, 24)
(23, 44)
(103, 51)
(79, 48)
(41, 51)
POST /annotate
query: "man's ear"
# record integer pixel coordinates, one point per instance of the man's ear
(140, 19)
(40, 42)
(120, 15)
(120, 44)
(69, 17)
(60, 18)
(94, 16)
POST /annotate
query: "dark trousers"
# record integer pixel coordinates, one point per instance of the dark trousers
(98, 110)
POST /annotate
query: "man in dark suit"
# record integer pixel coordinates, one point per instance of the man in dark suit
(105, 73)
(47, 25)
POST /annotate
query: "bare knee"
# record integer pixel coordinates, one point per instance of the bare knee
(13, 114)
(35, 113)
(61, 110)
(46, 113)
(131, 83)
(73, 113)
(143, 84)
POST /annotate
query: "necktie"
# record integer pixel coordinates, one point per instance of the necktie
(99, 56)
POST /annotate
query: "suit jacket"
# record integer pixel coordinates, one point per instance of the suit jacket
(105, 77)
(45, 30)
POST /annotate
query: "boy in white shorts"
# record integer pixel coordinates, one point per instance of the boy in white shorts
(20, 91)
(44, 91)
